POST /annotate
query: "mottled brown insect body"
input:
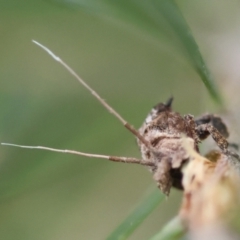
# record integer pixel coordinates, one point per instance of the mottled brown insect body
(167, 132)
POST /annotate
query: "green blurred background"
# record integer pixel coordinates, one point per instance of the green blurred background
(131, 56)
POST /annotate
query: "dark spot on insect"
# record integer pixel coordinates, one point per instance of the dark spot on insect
(155, 141)
(176, 175)
(148, 155)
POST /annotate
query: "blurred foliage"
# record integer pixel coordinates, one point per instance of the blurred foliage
(140, 213)
(172, 231)
(127, 52)
(152, 17)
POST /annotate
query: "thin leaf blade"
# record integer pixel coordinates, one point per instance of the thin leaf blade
(139, 214)
(148, 17)
(173, 230)
(170, 10)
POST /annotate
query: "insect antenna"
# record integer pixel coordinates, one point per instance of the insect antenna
(96, 95)
(91, 155)
(105, 105)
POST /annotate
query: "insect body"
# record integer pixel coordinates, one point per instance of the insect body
(167, 132)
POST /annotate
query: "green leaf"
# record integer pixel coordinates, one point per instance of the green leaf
(151, 17)
(139, 214)
(173, 15)
(172, 231)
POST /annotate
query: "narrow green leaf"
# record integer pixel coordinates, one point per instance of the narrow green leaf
(173, 15)
(139, 214)
(151, 17)
(173, 230)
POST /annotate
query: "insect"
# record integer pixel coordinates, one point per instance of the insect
(167, 132)
(161, 138)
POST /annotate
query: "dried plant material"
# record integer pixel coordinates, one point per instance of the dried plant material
(211, 193)
(212, 232)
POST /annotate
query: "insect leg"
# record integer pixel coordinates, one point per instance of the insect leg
(215, 121)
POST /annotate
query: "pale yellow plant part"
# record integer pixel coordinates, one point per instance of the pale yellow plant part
(211, 193)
